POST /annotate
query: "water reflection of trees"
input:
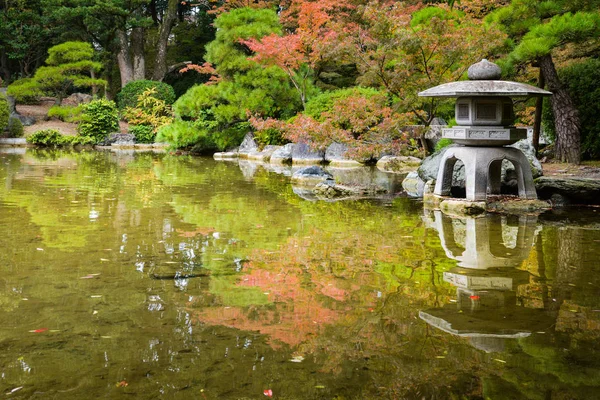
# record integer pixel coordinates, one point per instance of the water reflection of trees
(339, 284)
(548, 301)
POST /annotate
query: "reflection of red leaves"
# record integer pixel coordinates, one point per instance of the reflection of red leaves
(268, 393)
(474, 297)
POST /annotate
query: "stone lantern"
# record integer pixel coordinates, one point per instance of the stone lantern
(485, 117)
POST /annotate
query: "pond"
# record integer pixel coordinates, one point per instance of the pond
(157, 276)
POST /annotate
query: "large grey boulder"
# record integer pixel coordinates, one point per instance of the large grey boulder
(12, 108)
(398, 164)
(303, 154)
(336, 156)
(565, 191)
(76, 99)
(413, 185)
(263, 155)
(248, 145)
(310, 176)
(282, 155)
(121, 139)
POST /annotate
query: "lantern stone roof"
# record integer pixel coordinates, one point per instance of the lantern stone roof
(484, 81)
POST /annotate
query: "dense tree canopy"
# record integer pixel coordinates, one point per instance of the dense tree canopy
(269, 58)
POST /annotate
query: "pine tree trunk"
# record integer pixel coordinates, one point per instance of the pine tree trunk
(137, 50)
(160, 63)
(566, 116)
(537, 123)
(4, 66)
(124, 58)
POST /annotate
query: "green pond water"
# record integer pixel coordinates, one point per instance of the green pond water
(156, 276)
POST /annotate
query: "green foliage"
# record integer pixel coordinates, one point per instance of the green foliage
(324, 102)
(583, 82)
(566, 28)
(216, 116)
(128, 96)
(269, 137)
(444, 142)
(66, 113)
(69, 66)
(4, 112)
(183, 134)
(15, 128)
(98, 119)
(225, 51)
(142, 133)
(25, 91)
(149, 111)
(53, 138)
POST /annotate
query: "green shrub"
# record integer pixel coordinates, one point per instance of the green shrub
(150, 111)
(4, 112)
(269, 136)
(142, 133)
(128, 96)
(25, 91)
(66, 113)
(15, 128)
(184, 134)
(46, 137)
(444, 142)
(98, 119)
(53, 138)
(325, 101)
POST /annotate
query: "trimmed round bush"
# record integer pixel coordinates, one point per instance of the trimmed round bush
(15, 128)
(142, 133)
(128, 96)
(98, 119)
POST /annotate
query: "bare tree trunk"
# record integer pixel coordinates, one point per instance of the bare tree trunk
(160, 64)
(5, 70)
(124, 58)
(537, 123)
(566, 116)
(137, 50)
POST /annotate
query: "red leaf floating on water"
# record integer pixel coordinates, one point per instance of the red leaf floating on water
(40, 330)
(122, 384)
(474, 297)
(268, 393)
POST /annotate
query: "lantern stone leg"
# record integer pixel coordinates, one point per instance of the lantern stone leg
(483, 166)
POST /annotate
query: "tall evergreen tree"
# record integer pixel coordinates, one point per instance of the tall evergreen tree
(538, 28)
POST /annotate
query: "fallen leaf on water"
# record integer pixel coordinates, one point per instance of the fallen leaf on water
(268, 393)
(319, 387)
(95, 312)
(39, 249)
(499, 360)
(96, 296)
(122, 384)
(106, 337)
(90, 276)
(440, 357)
(16, 389)
(474, 297)
(104, 259)
(40, 330)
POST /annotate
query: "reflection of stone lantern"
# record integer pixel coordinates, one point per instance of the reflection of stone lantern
(487, 309)
(484, 114)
